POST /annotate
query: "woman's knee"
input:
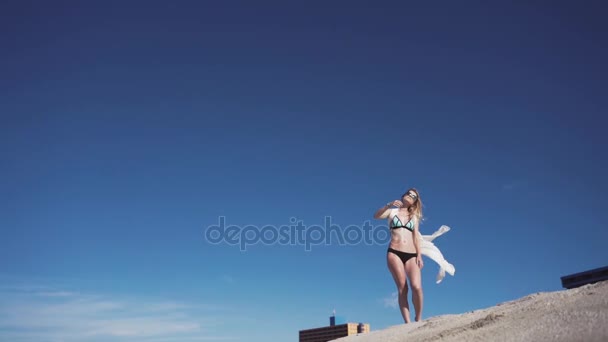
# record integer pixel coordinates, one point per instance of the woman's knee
(403, 290)
(417, 287)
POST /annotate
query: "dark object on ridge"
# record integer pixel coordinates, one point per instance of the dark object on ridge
(583, 278)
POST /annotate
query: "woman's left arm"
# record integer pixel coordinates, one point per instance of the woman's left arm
(416, 240)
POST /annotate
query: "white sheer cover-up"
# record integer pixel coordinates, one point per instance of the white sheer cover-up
(428, 248)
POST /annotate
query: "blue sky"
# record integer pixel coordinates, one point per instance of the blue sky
(128, 129)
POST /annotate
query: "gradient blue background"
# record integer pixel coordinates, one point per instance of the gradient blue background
(128, 127)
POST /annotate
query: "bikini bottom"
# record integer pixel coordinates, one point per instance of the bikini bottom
(404, 256)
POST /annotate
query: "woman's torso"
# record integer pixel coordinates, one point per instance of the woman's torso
(402, 238)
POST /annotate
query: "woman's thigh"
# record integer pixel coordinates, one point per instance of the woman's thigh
(395, 265)
(413, 273)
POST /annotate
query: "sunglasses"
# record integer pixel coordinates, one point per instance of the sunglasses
(412, 195)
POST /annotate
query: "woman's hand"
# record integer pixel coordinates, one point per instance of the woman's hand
(397, 203)
(419, 261)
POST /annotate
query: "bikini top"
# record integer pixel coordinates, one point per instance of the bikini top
(395, 222)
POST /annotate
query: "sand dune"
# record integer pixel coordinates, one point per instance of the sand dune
(579, 314)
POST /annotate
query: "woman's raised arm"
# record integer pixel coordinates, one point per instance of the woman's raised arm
(383, 212)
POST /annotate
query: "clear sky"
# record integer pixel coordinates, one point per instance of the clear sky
(129, 127)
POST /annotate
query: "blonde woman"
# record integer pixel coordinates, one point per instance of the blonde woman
(404, 254)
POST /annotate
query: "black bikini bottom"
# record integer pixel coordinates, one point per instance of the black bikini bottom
(404, 256)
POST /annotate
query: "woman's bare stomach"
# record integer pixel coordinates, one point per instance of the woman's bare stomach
(402, 240)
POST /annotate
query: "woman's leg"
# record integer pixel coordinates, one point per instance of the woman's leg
(413, 273)
(395, 265)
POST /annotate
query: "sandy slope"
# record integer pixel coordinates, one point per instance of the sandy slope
(579, 314)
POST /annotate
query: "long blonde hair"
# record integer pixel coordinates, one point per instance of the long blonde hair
(416, 208)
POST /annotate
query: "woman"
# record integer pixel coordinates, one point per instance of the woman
(404, 257)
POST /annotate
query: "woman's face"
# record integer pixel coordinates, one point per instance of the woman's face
(409, 198)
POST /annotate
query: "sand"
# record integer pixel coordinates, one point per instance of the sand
(579, 314)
